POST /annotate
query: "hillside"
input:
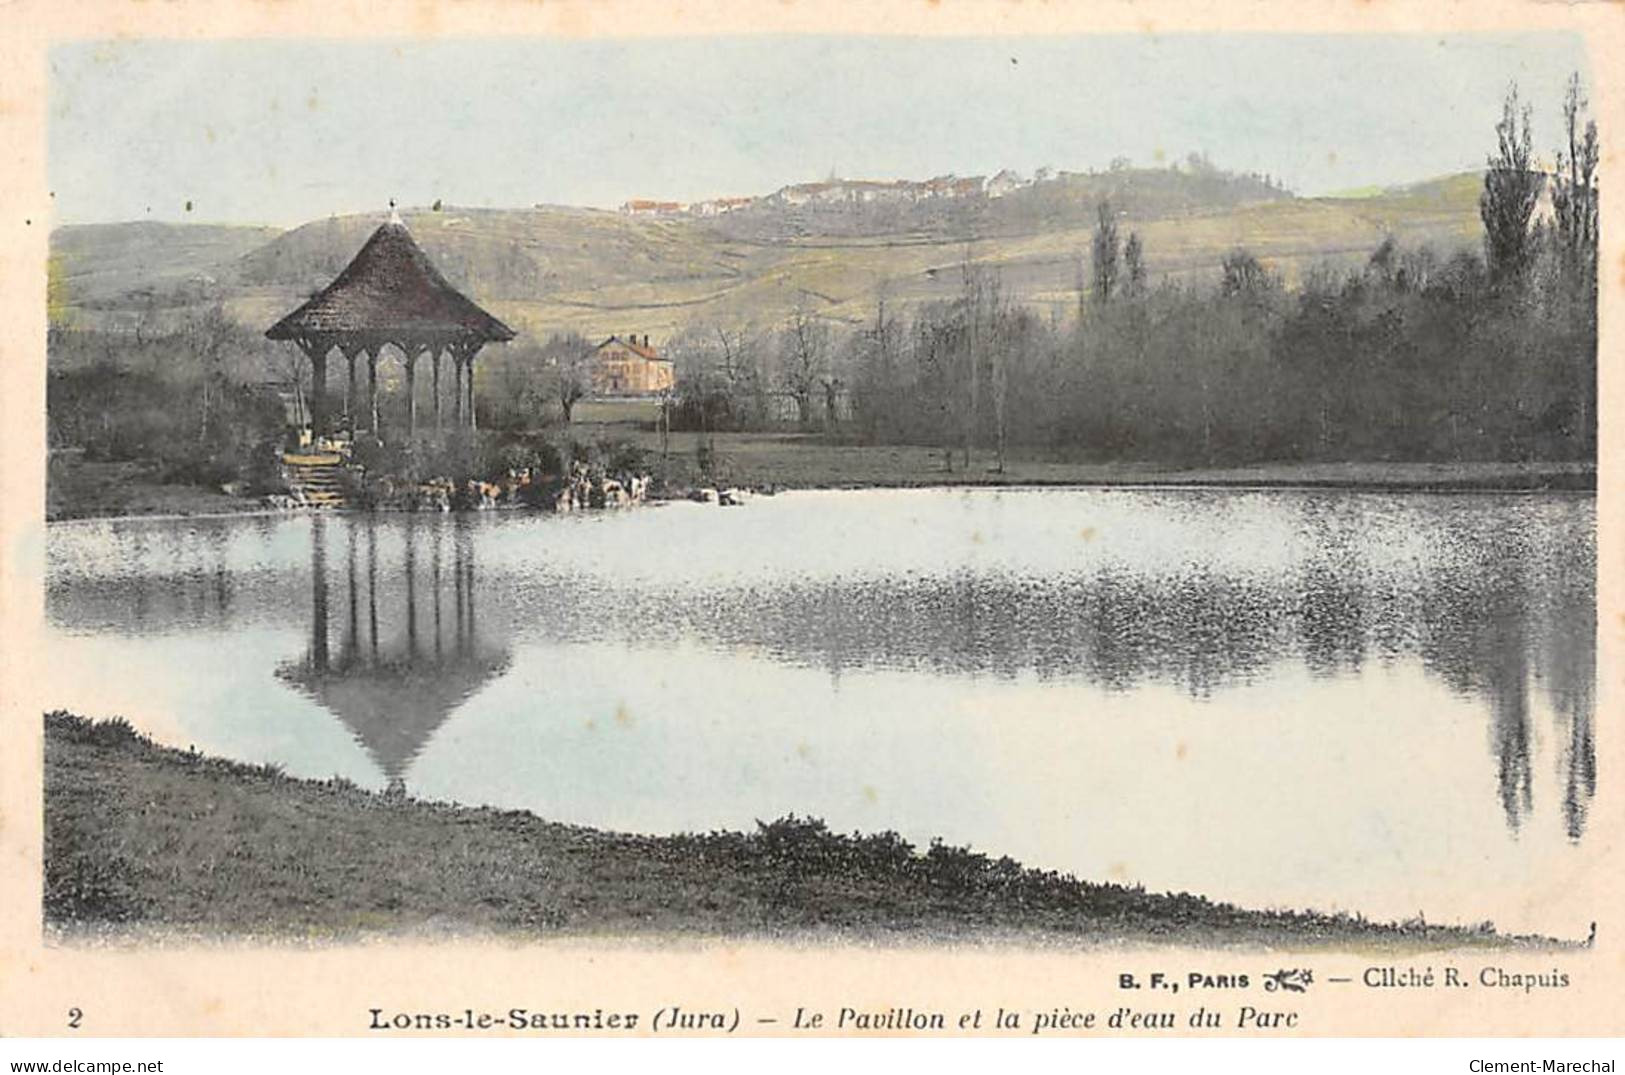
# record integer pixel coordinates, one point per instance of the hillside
(555, 269)
(114, 265)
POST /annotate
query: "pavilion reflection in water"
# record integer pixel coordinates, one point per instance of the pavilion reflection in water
(410, 649)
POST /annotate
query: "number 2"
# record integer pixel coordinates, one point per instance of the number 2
(74, 1015)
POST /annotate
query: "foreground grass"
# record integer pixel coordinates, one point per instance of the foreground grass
(142, 836)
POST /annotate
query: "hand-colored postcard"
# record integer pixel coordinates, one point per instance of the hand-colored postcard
(947, 518)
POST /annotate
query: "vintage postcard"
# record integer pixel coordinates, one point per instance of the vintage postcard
(1058, 520)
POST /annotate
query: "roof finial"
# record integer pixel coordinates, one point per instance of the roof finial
(394, 214)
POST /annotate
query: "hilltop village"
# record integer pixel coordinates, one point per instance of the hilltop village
(836, 191)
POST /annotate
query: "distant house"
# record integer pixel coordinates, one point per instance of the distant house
(1004, 183)
(810, 193)
(847, 192)
(718, 206)
(628, 367)
(649, 207)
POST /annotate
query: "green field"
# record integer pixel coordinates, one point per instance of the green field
(811, 461)
(590, 412)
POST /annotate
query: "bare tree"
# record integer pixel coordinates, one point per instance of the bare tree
(933, 348)
(566, 360)
(741, 372)
(877, 351)
(1511, 187)
(1003, 342)
(665, 425)
(975, 282)
(833, 385)
(803, 359)
(571, 385)
(209, 335)
(289, 364)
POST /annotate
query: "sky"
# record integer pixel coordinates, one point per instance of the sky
(283, 131)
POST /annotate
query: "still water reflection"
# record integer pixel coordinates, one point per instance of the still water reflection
(1371, 702)
(395, 694)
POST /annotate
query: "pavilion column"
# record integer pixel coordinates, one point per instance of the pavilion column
(457, 391)
(411, 393)
(473, 424)
(318, 387)
(372, 391)
(435, 361)
(349, 389)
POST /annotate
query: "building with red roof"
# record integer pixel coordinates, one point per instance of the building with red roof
(629, 367)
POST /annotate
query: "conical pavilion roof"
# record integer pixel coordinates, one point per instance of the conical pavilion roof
(391, 292)
(394, 709)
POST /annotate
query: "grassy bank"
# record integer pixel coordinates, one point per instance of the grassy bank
(77, 488)
(81, 489)
(141, 836)
(796, 461)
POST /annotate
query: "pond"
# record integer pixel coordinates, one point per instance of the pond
(1361, 701)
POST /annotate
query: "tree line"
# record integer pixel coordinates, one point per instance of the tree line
(192, 397)
(1414, 355)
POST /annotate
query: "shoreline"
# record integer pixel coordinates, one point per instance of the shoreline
(146, 839)
(1439, 478)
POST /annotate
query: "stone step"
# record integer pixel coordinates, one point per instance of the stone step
(316, 479)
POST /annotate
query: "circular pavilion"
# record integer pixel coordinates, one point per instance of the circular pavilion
(391, 295)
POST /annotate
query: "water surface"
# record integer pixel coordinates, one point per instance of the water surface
(1362, 701)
